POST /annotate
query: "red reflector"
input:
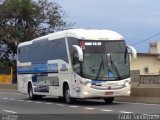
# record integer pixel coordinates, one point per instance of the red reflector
(82, 43)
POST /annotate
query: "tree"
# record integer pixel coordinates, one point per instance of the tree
(24, 20)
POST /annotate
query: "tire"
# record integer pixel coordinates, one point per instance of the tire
(30, 93)
(67, 96)
(109, 100)
(61, 99)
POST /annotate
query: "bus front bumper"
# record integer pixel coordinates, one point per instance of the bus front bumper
(89, 92)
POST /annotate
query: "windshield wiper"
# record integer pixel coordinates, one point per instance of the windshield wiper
(125, 55)
(118, 74)
(88, 76)
(100, 67)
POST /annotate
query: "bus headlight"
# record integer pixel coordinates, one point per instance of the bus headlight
(85, 93)
(89, 84)
(126, 83)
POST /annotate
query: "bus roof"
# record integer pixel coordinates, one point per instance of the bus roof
(85, 34)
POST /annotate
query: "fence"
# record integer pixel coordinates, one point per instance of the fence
(144, 79)
(6, 75)
(149, 79)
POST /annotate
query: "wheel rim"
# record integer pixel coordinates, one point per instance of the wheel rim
(30, 93)
(67, 96)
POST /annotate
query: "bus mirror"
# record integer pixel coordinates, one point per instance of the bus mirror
(79, 51)
(134, 52)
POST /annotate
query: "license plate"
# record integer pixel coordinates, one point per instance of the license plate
(108, 93)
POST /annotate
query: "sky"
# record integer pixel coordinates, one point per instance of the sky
(135, 20)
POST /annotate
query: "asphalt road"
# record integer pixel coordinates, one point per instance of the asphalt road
(17, 103)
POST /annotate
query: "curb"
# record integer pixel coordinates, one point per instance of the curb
(8, 88)
(150, 100)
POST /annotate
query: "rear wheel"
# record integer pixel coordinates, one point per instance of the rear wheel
(109, 100)
(67, 96)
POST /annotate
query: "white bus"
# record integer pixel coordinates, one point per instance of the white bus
(75, 63)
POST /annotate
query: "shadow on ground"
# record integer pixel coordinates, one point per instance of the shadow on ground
(82, 102)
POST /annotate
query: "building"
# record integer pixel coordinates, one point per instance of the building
(148, 63)
(154, 47)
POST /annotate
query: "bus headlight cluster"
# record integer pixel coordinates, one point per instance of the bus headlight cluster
(126, 83)
(87, 83)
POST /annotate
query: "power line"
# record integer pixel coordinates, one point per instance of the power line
(146, 39)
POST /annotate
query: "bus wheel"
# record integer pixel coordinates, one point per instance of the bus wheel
(67, 96)
(30, 92)
(61, 99)
(109, 100)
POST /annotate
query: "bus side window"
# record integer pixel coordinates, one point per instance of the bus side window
(76, 63)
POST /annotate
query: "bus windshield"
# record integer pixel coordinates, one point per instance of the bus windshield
(105, 60)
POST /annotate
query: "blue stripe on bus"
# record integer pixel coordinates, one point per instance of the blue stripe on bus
(37, 68)
(42, 89)
(94, 82)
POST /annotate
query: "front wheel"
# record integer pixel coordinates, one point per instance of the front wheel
(109, 100)
(30, 93)
(67, 96)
